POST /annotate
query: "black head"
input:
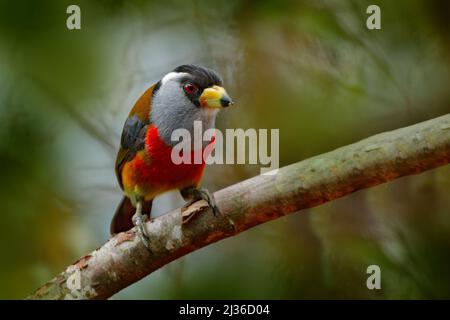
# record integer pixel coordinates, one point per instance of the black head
(201, 76)
(201, 86)
(196, 80)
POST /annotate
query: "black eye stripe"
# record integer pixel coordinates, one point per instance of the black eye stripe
(201, 77)
(192, 96)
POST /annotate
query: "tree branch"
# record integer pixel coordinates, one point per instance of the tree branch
(123, 260)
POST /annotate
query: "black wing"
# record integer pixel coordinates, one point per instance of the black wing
(132, 141)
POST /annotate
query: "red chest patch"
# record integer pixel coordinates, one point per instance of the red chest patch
(155, 170)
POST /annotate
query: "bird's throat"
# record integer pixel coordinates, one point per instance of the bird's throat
(169, 122)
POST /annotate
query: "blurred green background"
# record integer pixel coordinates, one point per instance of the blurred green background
(310, 68)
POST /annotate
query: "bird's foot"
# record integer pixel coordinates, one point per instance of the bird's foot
(208, 197)
(196, 194)
(139, 221)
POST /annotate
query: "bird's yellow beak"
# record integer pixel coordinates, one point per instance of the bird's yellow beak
(215, 97)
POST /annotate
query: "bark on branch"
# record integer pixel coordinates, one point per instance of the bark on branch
(123, 260)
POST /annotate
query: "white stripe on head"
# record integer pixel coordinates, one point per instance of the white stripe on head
(173, 76)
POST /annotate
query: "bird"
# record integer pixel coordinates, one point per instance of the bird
(144, 167)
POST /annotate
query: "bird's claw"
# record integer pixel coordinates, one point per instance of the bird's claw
(204, 194)
(139, 221)
(209, 198)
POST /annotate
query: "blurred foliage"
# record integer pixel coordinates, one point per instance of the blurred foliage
(310, 68)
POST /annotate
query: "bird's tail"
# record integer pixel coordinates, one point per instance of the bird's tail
(122, 218)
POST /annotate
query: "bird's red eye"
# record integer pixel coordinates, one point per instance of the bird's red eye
(190, 88)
